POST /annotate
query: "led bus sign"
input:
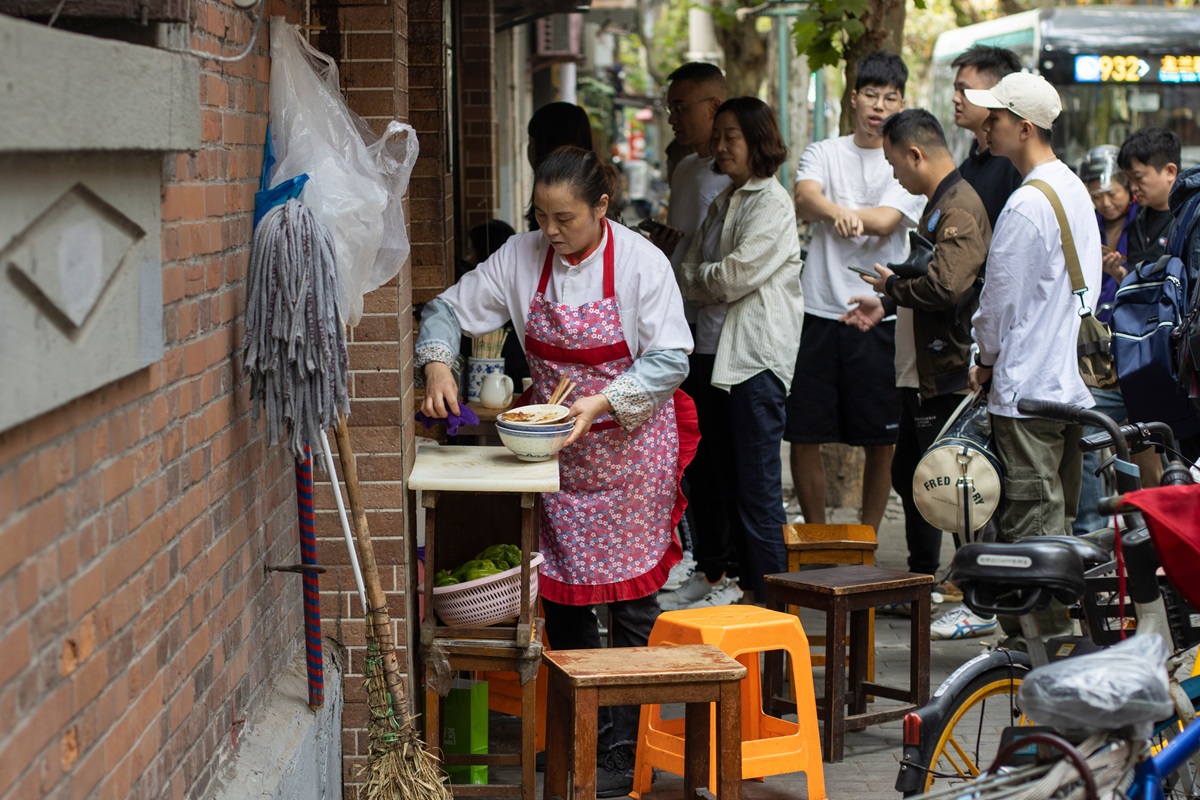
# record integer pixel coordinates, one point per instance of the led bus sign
(1105, 68)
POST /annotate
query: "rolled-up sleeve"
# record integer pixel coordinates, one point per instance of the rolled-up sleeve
(638, 392)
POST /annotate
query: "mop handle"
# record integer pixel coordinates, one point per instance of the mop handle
(337, 495)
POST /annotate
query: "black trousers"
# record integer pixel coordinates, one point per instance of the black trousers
(629, 625)
(717, 535)
(920, 422)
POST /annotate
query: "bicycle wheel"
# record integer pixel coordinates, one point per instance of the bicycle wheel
(969, 737)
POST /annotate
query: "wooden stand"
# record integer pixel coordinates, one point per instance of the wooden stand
(440, 473)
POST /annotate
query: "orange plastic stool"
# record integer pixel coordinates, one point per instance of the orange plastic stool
(770, 745)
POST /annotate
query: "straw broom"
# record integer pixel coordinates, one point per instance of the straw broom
(400, 768)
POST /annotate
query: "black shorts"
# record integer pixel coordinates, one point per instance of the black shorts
(844, 389)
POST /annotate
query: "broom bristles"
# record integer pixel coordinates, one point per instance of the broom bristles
(400, 766)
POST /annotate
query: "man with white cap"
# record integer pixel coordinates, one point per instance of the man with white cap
(1027, 324)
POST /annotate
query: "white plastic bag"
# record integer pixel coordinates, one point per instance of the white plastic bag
(1124, 685)
(356, 180)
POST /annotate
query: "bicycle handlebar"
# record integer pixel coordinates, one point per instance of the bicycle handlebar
(1065, 412)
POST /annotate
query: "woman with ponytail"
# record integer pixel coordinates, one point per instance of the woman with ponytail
(597, 302)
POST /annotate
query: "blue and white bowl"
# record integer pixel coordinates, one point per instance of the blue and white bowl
(534, 442)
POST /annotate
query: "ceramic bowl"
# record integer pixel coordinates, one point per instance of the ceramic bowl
(534, 442)
(535, 416)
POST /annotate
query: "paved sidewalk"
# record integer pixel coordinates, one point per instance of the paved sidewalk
(868, 770)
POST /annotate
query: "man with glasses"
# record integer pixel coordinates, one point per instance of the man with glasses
(694, 93)
(844, 388)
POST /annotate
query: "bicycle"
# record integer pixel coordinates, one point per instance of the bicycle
(967, 715)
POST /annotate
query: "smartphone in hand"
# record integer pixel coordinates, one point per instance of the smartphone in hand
(870, 273)
(650, 225)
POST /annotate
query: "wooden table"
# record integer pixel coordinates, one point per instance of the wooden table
(583, 680)
(847, 595)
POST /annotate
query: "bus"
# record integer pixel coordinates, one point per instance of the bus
(1117, 69)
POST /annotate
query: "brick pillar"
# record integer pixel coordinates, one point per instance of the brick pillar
(371, 45)
(478, 150)
(431, 188)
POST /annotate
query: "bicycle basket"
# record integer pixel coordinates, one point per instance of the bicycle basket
(1172, 514)
(1102, 610)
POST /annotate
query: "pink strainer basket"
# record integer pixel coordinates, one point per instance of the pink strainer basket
(488, 600)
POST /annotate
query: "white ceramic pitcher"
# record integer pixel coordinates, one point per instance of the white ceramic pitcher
(496, 390)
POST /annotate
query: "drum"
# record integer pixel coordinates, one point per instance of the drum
(959, 481)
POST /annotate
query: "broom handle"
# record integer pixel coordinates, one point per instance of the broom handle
(375, 595)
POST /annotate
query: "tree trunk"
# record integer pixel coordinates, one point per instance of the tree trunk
(884, 31)
(843, 475)
(746, 56)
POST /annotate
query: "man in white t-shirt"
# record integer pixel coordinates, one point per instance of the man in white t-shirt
(844, 388)
(694, 93)
(1028, 322)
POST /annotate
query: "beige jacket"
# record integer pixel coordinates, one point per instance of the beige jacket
(759, 278)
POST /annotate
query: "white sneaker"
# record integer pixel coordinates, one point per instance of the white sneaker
(961, 623)
(680, 573)
(693, 590)
(724, 592)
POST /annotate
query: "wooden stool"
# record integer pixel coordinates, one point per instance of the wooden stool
(580, 681)
(846, 595)
(830, 545)
(446, 656)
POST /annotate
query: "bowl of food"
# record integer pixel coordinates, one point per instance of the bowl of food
(539, 415)
(534, 442)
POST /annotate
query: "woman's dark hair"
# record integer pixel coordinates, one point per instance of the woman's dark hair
(882, 69)
(555, 125)
(487, 237)
(761, 131)
(582, 170)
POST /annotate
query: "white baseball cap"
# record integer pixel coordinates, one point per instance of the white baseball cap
(1028, 96)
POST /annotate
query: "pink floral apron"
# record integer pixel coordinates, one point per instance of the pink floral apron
(607, 534)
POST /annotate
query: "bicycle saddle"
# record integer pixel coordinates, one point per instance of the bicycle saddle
(1016, 578)
(1092, 554)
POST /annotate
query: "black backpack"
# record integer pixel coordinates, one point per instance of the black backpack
(1153, 310)
(1187, 351)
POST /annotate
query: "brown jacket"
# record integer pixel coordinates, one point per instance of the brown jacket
(944, 299)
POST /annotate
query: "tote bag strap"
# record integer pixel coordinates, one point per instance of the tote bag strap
(1078, 287)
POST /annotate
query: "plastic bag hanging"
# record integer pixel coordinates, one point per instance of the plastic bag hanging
(356, 179)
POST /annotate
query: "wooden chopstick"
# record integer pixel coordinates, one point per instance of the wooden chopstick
(564, 388)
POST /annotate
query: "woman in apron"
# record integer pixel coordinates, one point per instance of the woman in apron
(599, 304)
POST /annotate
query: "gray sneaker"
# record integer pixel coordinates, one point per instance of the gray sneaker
(680, 573)
(724, 593)
(692, 590)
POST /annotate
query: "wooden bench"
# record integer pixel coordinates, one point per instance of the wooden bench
(580, 681)
(847, 595)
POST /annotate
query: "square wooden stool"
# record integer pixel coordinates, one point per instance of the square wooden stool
(580, 681)
(847, 595)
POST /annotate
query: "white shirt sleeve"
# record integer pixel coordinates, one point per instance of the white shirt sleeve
(813, 164)
(910, 206)
(1014, 265)
(481, 300)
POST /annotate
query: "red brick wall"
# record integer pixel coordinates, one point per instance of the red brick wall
(478, 152)
(138, 625)
(136, 619)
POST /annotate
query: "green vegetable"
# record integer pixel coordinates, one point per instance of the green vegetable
(444, 578)
(476, 574)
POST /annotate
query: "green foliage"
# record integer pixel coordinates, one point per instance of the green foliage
(825, 29)
(669, 36)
